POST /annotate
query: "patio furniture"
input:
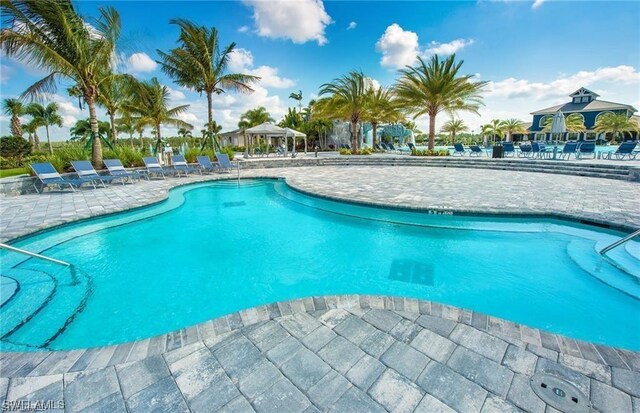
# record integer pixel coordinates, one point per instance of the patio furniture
(539, 150)
(625, 149)
(475, 150)
(225, 162)
(85, 170)
(525, 151)
(47, 175)
(180, 165)
(153, 166)
(568, 149)
(586, 149)
(205, 164)
(508, 148)
(458, 149)
(115, 168)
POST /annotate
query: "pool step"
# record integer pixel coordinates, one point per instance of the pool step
(71, 296)
(598, 267)
(36, 288)
(626, 259)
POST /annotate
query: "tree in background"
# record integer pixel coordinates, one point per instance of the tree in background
(436, 86)
(511, 126)
(298, 97)
(15, 109)
(454, 127)
(381, 108)
(45, 116)
(200, 64)
(53, 37)
(345, 99)
(618, 124)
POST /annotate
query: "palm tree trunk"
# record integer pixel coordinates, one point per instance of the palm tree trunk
(159, 140)
(131, 139)
(210, 117)
(114, 135)
(354, 136)
(141, 142)
(36, 140)
(432, 131)
(31, 141)
(16, 128)
(46, 127)
(453, 137)
(96, 147)
(374, 131)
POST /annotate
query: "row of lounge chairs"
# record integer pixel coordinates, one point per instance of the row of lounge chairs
(116, 172)
(538, 150)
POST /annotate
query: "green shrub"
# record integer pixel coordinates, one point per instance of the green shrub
(9, 163)
(129, 157)
(62, 156)
(229, 151)
(430, 152)
(15, 147)
(344, 151)
(363, 151)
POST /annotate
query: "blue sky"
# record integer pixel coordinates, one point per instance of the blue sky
(532, 53)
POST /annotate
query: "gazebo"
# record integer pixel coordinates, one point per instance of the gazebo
(271, 130)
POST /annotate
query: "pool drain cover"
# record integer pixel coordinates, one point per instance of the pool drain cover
(560, 394)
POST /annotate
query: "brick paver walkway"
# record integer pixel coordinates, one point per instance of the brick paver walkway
(319, 355)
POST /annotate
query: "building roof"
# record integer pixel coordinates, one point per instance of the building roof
(593, 106)
(583, 91)
(231, 133)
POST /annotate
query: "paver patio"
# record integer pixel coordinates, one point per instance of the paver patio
(346, 353)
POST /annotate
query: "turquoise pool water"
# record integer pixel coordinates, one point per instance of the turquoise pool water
(216, 248)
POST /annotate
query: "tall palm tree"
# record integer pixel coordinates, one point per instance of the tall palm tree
(114, 92)
(298, 97)
(31, 128)
(149, 106)
(45, 116)
(453, 127)
(616, 124)
(436, 86)
(381, 108)
(257, 116)
(53, 37)
(346, 100)
(15, 109)
(511, 126)
(493, 129)
(200, 64)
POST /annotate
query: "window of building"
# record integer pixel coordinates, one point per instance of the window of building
(585, 99)
(576, 100)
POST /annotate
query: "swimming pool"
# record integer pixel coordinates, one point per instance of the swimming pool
(216, 248)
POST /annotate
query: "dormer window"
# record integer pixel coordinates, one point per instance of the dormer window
(576, 100)
(586, 99)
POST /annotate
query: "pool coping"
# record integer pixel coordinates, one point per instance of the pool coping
(545, 344)
(507, 330)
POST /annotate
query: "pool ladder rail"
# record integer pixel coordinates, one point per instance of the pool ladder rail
(34, 255)
(620, 242)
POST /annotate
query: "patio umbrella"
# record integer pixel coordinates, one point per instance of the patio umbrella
(295, 134)
(558, 125)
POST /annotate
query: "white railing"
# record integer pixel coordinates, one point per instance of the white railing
(620, 242)
(33, 254)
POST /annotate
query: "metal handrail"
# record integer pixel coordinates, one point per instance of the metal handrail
(34, 255)
(619, 242)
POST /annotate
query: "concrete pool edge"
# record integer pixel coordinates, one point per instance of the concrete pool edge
(540, 342)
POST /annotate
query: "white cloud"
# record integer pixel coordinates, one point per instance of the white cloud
(399, 47)
(514, 88)
(300, 21)
(537, 3)
(141, 62)
(241, 61)
(5, 73)
(189, 118)
(448, 48)
(175, 94)
(243, 29)
(352, 26)
(68, 121)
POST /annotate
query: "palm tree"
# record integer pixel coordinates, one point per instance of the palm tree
(81, 131)
(148, 106)
(184, 132)
(51, 36)
(291, 120)
(15, 109)
(113, 93)
(45, 116)
(616, 123)
(298, 97)
(243, 125)
(454, 126)
(199, 64)
(346, 100)
(573, 123)
(31, 128)
(436, 86)
(511, 126)
(381, 108)
(493, 129)
(257, 116)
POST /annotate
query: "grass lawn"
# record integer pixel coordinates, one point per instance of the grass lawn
(12, 172)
